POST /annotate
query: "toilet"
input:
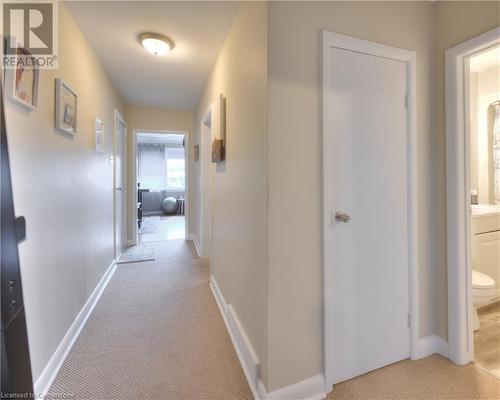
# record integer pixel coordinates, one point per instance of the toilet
(483, 291)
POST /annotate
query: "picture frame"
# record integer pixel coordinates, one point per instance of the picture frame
(196, 152)
(21, 82)
(98, 135)
(66, 108)
(219, 144)
(218, 151)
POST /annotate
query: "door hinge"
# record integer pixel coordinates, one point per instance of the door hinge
(407, 102)
(409, 320)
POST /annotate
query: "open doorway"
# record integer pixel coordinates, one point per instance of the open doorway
(484, 166)
(473, 200)
(161, 186)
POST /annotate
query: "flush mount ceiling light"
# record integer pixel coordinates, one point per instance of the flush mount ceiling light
(155, 43)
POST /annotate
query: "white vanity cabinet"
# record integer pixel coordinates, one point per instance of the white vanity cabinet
(484, 222)
(486, 244)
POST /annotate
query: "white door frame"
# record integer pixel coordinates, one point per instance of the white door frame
(460, 337)
(133, 173)
(331, 39)
(207, 133)
(118, 118)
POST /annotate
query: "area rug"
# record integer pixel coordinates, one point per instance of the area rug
(149, 225)
(138, 253)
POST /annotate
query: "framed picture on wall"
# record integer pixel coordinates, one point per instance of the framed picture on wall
(66, 108)
(98, 135)
(219, 144)
(21, 81)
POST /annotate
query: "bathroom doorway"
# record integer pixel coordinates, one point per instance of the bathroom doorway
(484, 130)
(161, 165)
(473, 174)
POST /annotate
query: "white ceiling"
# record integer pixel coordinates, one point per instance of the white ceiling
(485, 60)
(176, 80)
(168, 139)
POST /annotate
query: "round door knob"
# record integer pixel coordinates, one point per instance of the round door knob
(341, 216)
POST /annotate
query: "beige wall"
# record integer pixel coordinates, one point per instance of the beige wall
(160, 119)
(295, 230)
(64, 189)
(488, 81)
(456, 22)
(239, 254)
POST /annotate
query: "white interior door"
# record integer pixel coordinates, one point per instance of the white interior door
(119, 184)
(367, 121)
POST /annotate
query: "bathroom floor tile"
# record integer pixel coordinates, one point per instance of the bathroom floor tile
(487, 339)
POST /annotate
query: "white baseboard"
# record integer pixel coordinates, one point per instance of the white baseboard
(244, 350)
(432, 344)
(442, 347)
(49, 373)
(243, 344)
(197, 247)
(261, 391)
(310, 389)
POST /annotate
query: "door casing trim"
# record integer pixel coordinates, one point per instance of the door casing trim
(208, 131)
(331, 39)
(132, 214)
(119, 118)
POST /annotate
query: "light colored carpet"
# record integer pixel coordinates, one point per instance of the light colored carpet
(432, 378)
(156, 333)
(138, 253)
(149, 225)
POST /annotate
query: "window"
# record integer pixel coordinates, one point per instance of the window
(161, 167)
(151, 166)
(176, 174)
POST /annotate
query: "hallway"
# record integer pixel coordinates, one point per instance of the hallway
(156, 333)
(292, 176)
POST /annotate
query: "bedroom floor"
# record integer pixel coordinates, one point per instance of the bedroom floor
(164, 227)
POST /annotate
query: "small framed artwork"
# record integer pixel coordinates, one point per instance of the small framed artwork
(218, 151)
(98, 135)
(219, 145)
(66, 108)
(21, 81)
(196, 152)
